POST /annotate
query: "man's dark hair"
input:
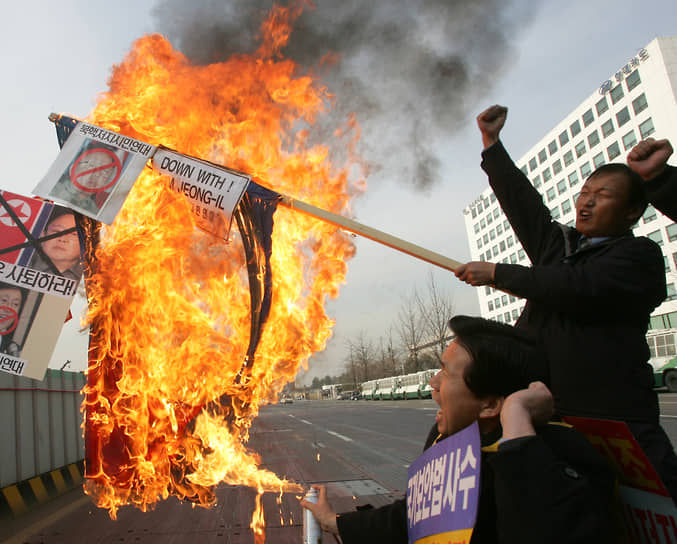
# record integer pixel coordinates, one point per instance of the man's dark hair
(636, 189)
(505, 359)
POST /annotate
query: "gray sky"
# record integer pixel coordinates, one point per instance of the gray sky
(57, 57)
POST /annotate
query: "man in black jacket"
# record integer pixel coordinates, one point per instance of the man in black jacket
(589, 293)
(539, 483)
(649, 159)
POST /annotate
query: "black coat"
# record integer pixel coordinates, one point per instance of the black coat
(590, 308)
(553, 487)
(662, 192)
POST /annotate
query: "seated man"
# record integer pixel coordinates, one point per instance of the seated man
(539, 482)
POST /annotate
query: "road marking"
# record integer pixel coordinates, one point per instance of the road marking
(340, 436)
(663, 415)
(305, 421)
(434, 409)
(292, 415)
(26, 534)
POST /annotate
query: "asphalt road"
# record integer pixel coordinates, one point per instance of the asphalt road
(360, 449)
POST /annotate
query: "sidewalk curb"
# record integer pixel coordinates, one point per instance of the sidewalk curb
(18, 498)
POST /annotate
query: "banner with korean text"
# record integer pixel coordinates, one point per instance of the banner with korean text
(649, 513)
(40, 268)
(213, 191)
(95, 171)
(443, 490)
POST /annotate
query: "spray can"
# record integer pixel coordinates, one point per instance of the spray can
(312, 533)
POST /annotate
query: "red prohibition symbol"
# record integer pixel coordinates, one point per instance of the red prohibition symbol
(9, 314)
(95, 170)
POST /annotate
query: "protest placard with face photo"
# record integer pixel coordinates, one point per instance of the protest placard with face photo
(40, 268)
(95, 171)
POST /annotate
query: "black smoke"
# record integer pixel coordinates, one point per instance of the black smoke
(413, 71)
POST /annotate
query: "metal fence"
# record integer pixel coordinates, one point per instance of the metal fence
(41, 424)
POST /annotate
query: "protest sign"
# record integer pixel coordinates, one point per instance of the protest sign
(40, 268)
(443, 490)
(95, 171)
(649, 513)
(213, 191)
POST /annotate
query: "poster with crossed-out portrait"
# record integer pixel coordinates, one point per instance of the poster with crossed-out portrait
(41, 265)
(95, 171)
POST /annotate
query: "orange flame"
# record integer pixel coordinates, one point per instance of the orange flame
(169, 305)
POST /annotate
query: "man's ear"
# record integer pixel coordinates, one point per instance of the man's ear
(491, 406)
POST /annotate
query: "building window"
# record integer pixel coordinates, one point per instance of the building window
(607, 128)
(547, 176)
(513, 258)
(674, 258)
(672, 292)
(487, 290)
(496, 212)
(613, 150)
(573, 178)
(474, 212)
(479, 243)
(483, 222)
(550, 194)
(479, 208)
(499, 229)
(593, 139)
(585, 170)
(494, 250)
(646, 129)
(537, 181)
(623, 116)
(568, 158)
(566, 206)
(588, 117)
(501, 246)
(525, 170)
(521, 255)
(616, 93)
(476, 227)
(497, 302)
(557, 167)
(515, 314)
(561, 186)
(666, 263)
(639, 104)
(492, 197)
(506, 316)
(506, 225)
(563, 138)
(492, 234)
(672, 232)
(650, 215)
(601, 106)
(555, 212)
(598, 160)
(485, 238)
(488, 254)
(491, 306)
(532, 164)
(575, 128)
(656, 237)
(542, 156)
(580, 148)
(510, 241)
(489, 219)
(633, 80)
(552, 147)
(629, 140)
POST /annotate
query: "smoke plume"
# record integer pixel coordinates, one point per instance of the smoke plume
(413, 71)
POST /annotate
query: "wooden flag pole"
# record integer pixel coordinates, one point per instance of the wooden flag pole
(371, 233)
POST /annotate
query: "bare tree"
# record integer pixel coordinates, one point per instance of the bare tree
(411, 330)
(360, 358)
(435, 311)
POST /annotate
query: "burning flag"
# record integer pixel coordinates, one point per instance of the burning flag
(181, 354)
